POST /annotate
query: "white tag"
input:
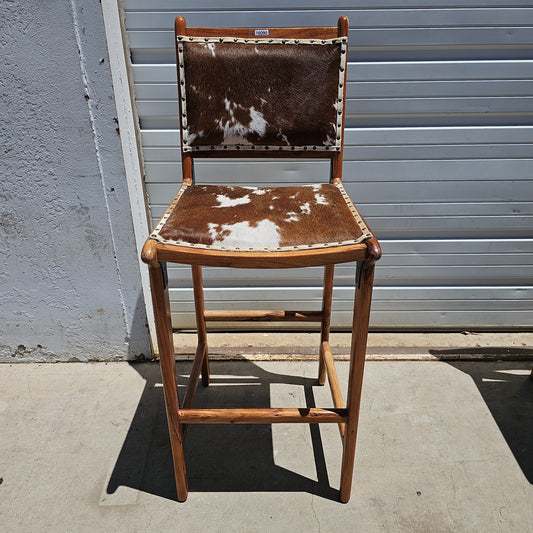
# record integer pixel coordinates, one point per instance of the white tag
(261, 32)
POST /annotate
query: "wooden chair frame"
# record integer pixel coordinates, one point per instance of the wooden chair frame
(156, 254)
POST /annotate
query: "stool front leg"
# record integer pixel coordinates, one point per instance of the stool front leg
(163, 325)
(363, 298)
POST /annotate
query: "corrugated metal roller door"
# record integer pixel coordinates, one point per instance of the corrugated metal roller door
(438, 156)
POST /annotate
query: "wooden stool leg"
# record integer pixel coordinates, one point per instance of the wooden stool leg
(200, 318)
(329, 271)
(363, 297)
(163, 326)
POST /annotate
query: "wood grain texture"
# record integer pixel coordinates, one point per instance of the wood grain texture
(192, 384)
(263, 316)
(289, 33)
(333, 379)
(296, 259)
(363, 298)
(199, 307)
(327, 296)
(166, 358)
(343, 27)
(261, 416)
(194, 375)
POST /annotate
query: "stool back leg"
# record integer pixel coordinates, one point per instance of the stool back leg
(165, 342)
(329, 271)
(363, 298)
(197, 282)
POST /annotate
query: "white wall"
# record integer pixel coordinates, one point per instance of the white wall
(69, 281)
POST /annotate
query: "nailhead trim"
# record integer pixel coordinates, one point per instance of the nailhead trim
(336, 147)
(357, 217)
(186, 38)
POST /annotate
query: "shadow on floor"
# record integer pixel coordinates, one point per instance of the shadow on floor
(507, 390)
(220, 458)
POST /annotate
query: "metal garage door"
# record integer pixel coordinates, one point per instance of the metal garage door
(438, 156)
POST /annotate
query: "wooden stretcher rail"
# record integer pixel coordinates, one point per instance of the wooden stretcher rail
(333, 380)
(192, 384)
(263, 316)
(262, 416)
(194, 375)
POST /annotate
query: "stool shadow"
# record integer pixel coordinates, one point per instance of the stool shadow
(507, 391)
(221, 457)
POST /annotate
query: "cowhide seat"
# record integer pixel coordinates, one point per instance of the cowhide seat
(213, 217)
(262, 93)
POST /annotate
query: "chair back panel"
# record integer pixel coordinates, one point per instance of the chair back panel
(261, 94)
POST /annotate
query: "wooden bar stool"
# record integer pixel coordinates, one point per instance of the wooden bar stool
(262, 93)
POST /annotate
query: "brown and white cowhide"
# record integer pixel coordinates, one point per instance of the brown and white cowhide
(261, 218)
(257, 95)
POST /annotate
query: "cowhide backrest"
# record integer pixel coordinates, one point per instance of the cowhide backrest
(261, 93)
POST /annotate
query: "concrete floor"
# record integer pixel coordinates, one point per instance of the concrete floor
(443, 446)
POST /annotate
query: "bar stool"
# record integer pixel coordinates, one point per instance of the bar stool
(262, 93)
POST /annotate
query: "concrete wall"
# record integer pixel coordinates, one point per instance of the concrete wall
(69, 281)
